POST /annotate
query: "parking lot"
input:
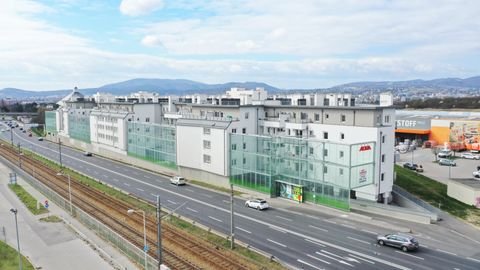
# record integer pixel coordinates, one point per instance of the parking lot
(426, 158)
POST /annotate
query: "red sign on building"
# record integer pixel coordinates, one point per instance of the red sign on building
(365, 148)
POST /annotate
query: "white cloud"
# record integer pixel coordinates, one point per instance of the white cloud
(151, 41)
(140, 7)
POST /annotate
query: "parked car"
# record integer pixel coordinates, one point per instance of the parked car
(445, 153)
(259, 204)
(29, 134)
(402, 241)
(178, 180)
(476, 174)
(413, 167)
(447, 162)
(40, 138)
(469, 155)
(87, 154)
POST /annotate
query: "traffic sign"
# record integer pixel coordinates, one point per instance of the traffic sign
(46, 204)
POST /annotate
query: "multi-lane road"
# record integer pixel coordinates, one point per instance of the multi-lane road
(301, 240)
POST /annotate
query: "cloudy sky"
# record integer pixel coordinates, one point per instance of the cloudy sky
(59, 44)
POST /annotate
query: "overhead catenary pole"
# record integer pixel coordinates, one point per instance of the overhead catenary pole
(159, 233)
(232, 231)
(60, 152)
(15, 211)
(11, 136)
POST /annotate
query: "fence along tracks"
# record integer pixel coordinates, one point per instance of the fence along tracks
(180, 250)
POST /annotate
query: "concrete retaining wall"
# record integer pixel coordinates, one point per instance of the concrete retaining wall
(389, 211)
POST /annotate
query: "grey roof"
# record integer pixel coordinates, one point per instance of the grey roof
(203, 123)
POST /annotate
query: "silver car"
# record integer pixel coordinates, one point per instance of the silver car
(402, 241)
(470, 156)
(258, 204)
(447, 162)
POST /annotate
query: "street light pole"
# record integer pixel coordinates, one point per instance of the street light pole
(131, 211)
(15, 211)
(69, 190)
(412, 155)
(232, 228)
(159, 233)
(11, 135)
(60, 152)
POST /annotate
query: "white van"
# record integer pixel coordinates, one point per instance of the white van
(178, 180)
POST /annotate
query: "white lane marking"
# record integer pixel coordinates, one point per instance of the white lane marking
(413, 256)
(330, 221)
(340, 257)
(283, 218)
(318, 228)
(187, 189)
(172, 202)
(80, 166)
(243, 230)
(444, 251)
(351, 255)
(88, 169)
(193, 210)
(126, 184)
(216, 219)
(348, 226)
(106, 176)
(370, 232)
(275, 242)
(424, 246)
(206, 195)
(116, 180)
(279, 230)
(379, 260)
(139, 189)
(313, 266)
(473, 259)
(332, 258)
(358, 240)
(314, 242)
(225, 201)
(464, 236)
(148, 177)
(154, 195)
(318, 259)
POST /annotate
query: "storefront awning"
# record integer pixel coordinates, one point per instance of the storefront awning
(413, 131)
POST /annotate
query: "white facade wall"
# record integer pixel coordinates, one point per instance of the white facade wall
(191, 150)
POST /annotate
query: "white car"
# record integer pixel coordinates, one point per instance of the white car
(445, 153)
(470, 156)
(178, 180)
(476, 174)
(258, 204)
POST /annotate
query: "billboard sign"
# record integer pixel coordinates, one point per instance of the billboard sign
(292, 192)
(409, 122)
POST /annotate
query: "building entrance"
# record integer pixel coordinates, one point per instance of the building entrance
(289, 190)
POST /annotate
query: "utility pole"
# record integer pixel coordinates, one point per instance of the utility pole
(232, 232)
(159, 233)
(11, 136)
(15, 211)
(60, 152)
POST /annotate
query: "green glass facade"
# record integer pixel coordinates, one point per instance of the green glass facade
(79, 127)
(326, 171)
(153, 142)
(51, 122)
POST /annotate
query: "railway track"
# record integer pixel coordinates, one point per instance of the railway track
(180, 250)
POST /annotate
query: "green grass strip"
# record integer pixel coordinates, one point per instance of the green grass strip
(435, 193)
(27, 199)
(9, 258)
(51, 219)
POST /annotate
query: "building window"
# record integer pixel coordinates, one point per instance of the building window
(383, 158)
(207, 159)
(234, 147)
(317, 117)
(325, 170)
(206, 131)
(326, 116)
(206, 144)
(387, 118)
(342, 136)
(310, 167)
(244, 146)
(340, 171)
(244, 130)
(234, 130)
(147, 119)
(325, 152)
(311, 150)
(325, 135)
(382, 177)
(246, 115)
(234, 162)
(343, 117)
(341, 154)
(244, 160)
(383, 138)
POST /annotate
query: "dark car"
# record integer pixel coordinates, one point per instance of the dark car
(410, 166)
(402, 241)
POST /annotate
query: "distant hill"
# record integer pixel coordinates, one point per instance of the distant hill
(161, 86)
(473, 82)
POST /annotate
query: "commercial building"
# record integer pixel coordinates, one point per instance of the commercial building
(321, 148)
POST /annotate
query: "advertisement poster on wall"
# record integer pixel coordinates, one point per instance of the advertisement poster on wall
(291, 192)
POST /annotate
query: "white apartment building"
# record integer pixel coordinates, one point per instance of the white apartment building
(197, 131)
